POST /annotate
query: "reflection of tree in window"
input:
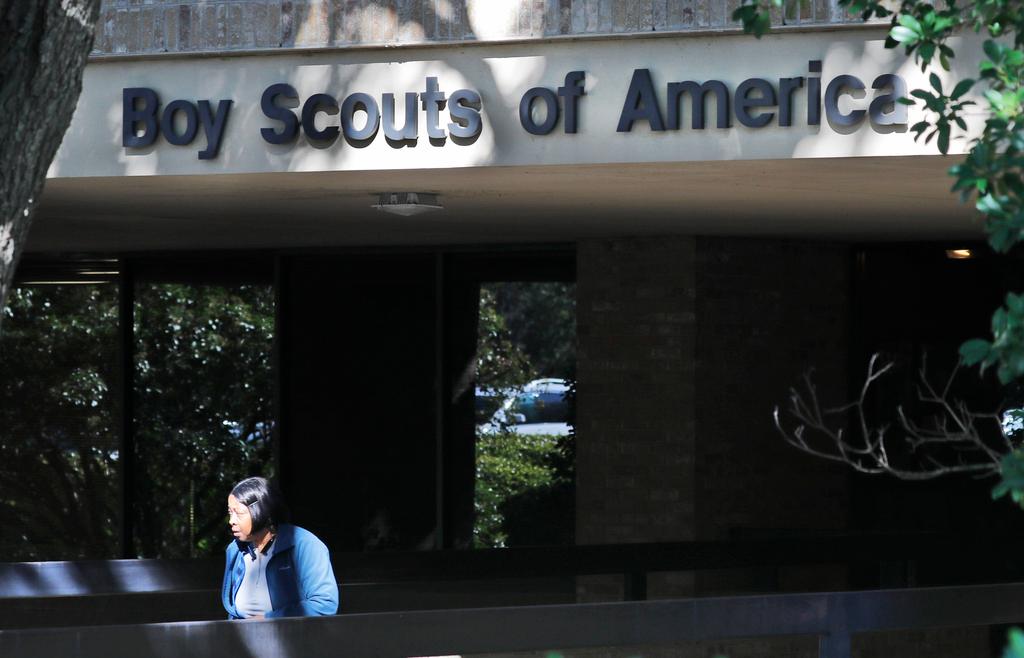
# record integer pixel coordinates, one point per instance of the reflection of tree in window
(203, 391)
(526, 363)
(60, 494)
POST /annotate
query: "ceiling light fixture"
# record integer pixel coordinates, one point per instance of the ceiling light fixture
(959, 254)
(407, 204)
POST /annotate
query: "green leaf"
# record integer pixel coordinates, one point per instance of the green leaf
(942, 24)
(994, 98)
(911, 23)
(935, 82)
(961, 88)
(991, 49)
(975, 351)
(1015, 303)
(988, 204)
(944, 139)
(1015, 649)
(903, 35)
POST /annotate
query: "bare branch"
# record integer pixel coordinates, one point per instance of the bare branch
(954, 440)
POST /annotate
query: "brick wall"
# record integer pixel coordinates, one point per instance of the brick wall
(180, 26)
(635, 369)
(767, 311)
(685, 345)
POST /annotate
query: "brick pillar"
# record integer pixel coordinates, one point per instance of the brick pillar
(635, 369)
(767, 311)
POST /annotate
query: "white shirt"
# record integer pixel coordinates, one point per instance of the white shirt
(253, 597)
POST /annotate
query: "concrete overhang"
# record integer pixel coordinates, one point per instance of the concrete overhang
(865, 198)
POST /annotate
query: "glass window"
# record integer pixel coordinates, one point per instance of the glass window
(60, 486)
(526, 362)
(203, 409)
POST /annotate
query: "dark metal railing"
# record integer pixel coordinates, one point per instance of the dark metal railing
(832, 617)
(47, 594)
(21, 579)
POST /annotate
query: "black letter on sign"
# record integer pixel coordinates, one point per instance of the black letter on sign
(213, 125)
(813, 93)
(641, 103)
(433, 103)
(526, 111)
(464, 107)
(314, 105)
(131, 115)
(697, 95)
(835, 88)
(290, 129)
(409, 132)
(191, 122)
(354, 103)
(744, 102)
(884, 110)
(571, 92)
(786, 88)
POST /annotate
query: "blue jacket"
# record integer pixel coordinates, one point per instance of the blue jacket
(299, 575)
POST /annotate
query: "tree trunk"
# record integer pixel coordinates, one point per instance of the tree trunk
(43, 49)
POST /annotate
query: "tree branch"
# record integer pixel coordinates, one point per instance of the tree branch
(956, 440)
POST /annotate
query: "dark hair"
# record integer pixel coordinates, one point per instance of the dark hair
(265, 502)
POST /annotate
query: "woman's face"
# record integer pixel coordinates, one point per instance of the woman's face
(239, 519)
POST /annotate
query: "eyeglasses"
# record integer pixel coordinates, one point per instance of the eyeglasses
(237, 513)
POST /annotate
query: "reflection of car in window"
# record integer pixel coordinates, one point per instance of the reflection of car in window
(539, 407)
(487, 401)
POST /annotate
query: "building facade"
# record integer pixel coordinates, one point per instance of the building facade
(727, 212)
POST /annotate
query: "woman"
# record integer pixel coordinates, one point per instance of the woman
(273, 569)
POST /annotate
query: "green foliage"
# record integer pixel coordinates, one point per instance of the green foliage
(755, 16)
(1006, 350)
(1015, 646)
(1011, 478)
(513, 469)
(541, 321)
(922, 29)
(203, 383)
(202, 417)
(992, 170)
(59, 458)
(501, 362)
(524, 483)
(948, 111)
